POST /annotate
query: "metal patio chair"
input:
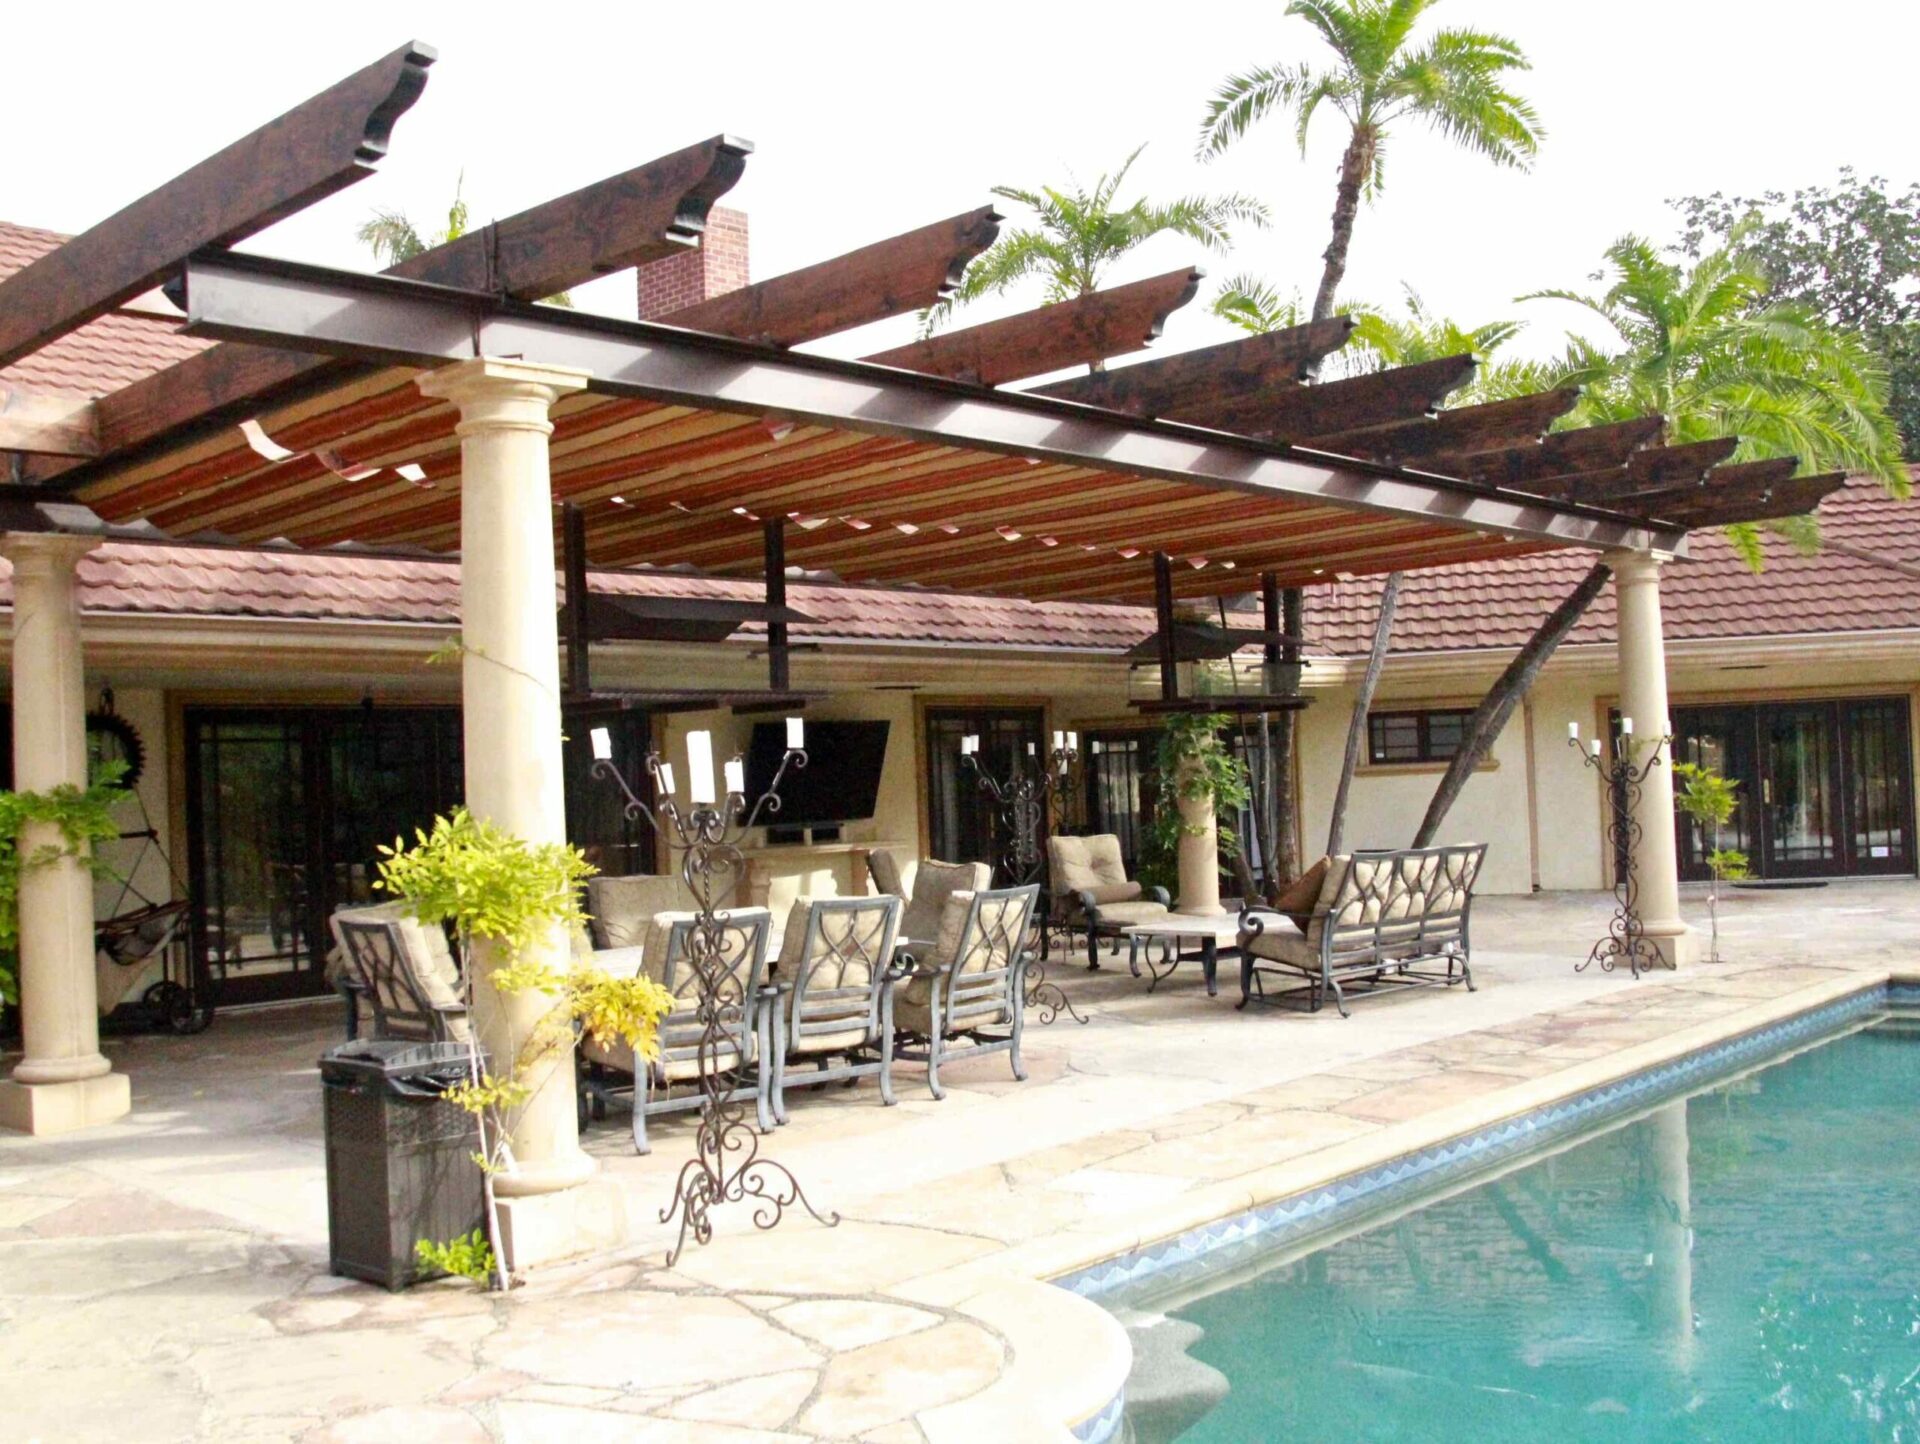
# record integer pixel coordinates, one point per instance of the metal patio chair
(972, 987)
(1089, 887)
(832, 1005)
(403, 970)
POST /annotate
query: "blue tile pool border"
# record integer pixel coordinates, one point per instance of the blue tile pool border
(1326, 1205)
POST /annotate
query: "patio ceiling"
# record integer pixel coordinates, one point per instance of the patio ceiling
(915, 466)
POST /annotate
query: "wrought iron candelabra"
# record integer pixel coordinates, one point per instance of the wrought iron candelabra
(1626, 940)
(706, 837)
(1028, 799)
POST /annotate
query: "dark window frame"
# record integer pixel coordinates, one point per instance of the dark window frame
(1423, 747)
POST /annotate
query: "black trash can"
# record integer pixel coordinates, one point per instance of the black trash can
(400, 1157)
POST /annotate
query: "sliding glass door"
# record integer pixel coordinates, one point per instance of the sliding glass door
(962, 822)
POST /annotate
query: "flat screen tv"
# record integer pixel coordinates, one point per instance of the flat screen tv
(840, 781)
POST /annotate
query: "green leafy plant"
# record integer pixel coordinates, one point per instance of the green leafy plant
(467, 1257)
(1711, 799)
(1191, 762)
(497, 889)
(83, 818)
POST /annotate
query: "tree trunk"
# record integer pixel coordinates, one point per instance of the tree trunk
(1362, 704)
(1346, 205)
(1285, 839)
(1490, 717)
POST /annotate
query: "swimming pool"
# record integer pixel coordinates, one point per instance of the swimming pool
(1739, 1265)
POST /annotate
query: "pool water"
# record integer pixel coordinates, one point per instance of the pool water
(1741, 1265)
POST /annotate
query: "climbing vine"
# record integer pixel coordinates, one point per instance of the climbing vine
(1191, 762)
(83, 817)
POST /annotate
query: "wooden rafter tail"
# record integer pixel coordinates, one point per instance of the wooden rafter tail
(32, 421)
(1076, 332)
(1173, 386)
(655, 210)
(649, 211)
(315, 149)
(1582, 451)
(889, 278)
(1380, 398)
(1657, 469)
(1457, 433)
(1750, 502)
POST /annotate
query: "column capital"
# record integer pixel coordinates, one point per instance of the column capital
(1634, 566)
(495, 394)
(46, 549)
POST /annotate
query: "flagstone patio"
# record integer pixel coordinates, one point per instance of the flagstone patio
(165, 1277)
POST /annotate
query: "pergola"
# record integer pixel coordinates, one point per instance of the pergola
(440, 406)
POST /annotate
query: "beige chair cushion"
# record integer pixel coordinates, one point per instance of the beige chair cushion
(933, 883)
(884, 868)
(1280, 941)
(984, 949)
(1114, 892)
(424, 952)
(651, 960)
(851, 949)
(1132, 914)
(1084, 863)
(621, 907)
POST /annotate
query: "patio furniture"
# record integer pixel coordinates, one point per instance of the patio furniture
(832, 1006)
(620, 909)
(1383, 919)
(403, 970)
(1167, 935)
(665, 957)
(972, 985)
(933, 883)
(1088, 879)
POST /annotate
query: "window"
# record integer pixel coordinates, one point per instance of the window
(1433, 735)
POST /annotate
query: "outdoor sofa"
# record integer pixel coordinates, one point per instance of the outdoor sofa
(1382, 920)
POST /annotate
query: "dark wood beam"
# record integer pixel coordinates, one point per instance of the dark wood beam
(1583, 450)
(1077, 332)
(652, 210)
(1443, 442)
(1657, 469)
(1163, 632)
(315, 149)
(1172, 385)
(1742, 478)
(1724, 507)
(1379, 398)
(47, 423)
(387, 321)
(889, 278)
(774, 539)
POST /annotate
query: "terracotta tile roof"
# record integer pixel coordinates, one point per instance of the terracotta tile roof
(1712, 594)
(103, 355)
(140, 578)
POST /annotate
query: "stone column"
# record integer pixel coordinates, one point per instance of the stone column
(1199, 857)
(510, 700)
(63, 1082)
(1670, 1279)
(1643, 697)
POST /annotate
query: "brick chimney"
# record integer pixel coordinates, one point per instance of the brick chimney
(714, 267)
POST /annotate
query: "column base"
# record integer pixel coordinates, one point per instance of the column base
(47, 1108)
(1216, 911)
(543, 1228)
(1679, 946)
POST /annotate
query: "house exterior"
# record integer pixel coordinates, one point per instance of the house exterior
(293, 717)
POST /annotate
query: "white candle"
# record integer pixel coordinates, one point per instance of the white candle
(1573, 731)
(796, 734)
(969, 744)
(737, 776)
(602, 745)
(1029, 749)
(1073, 742)
(1626, 726)
(700, 767)
(1059, 740)
(1595, 745)
(666, 778)
(1094, 747)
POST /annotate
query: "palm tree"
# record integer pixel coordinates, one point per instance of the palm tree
(393, 237)
(1454, 82)
(1414, 334)
(1079, 233)
(1706, 349)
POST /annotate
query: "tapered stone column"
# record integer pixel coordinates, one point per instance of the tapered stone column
(1199, 857)
(510, 701)
(1643, 697)
(63, 1082)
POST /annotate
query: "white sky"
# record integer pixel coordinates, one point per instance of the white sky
(871, 119)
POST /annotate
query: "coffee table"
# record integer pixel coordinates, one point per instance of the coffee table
(1167, 936)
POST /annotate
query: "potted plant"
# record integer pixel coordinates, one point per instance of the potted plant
(1711, 800)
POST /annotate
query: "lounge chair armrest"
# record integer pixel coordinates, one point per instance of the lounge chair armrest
(1088, 905)
(452, 1010)
(1160, 895)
